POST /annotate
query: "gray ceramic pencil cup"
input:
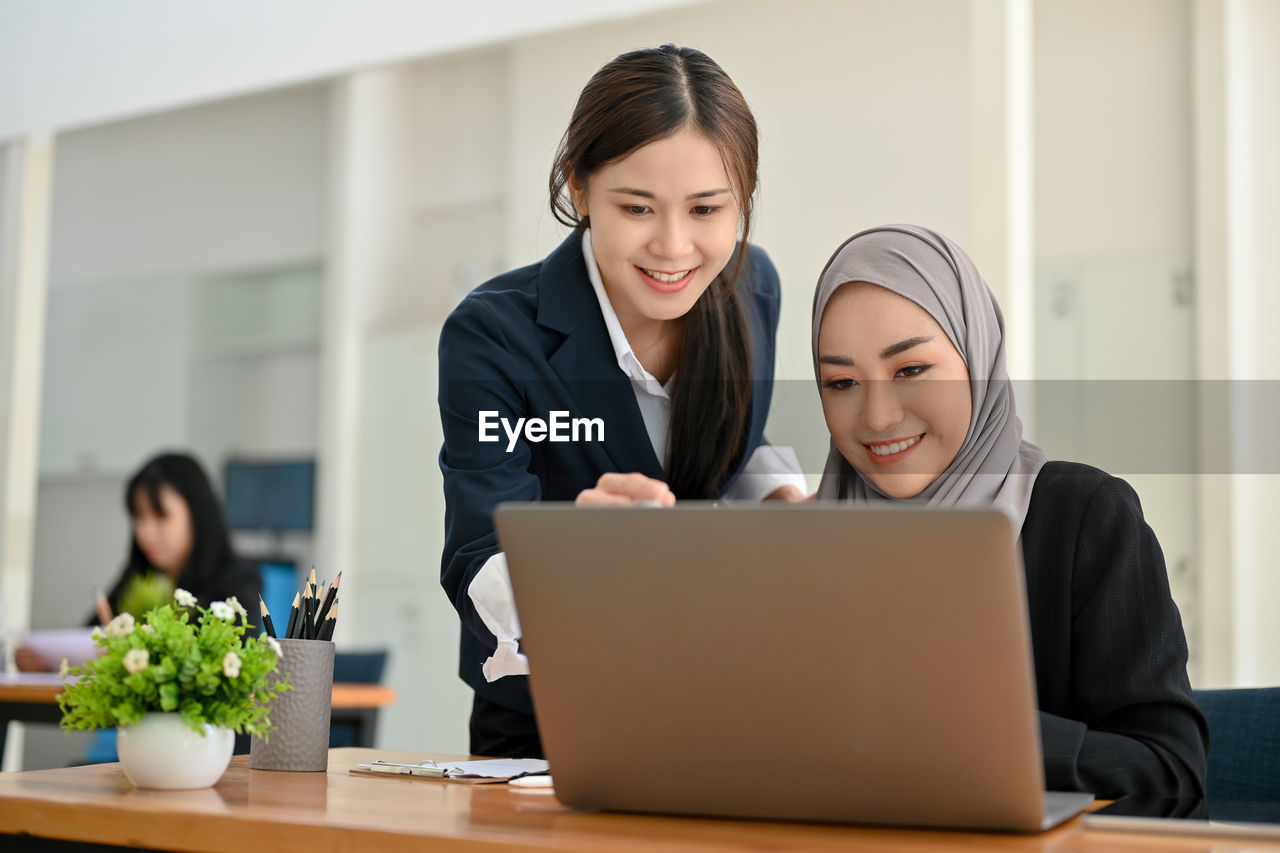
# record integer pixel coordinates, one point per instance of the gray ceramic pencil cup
(299, 736)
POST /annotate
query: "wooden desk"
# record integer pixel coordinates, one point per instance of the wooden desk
(33, 698)
(264, 810)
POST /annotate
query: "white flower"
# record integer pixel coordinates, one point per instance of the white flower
(184, 598)
(136, 660)
(147, 628)
(274, 645)
(62, 670)
(121, 626)
(237, 606)
(231, 665)
(95, 633)
(222, 610)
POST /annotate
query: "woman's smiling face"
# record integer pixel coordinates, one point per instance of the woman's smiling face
(664, 223)
(895, 392)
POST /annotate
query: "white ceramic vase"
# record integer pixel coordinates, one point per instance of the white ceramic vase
(162, 751)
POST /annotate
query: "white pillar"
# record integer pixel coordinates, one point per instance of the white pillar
(364, 130)
(1000, 41)
(24, 260)
(1237, 134)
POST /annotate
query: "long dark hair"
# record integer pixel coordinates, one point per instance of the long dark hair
(642, 97)
(211, 544)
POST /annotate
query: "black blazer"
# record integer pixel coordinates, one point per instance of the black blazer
(1116, 710)
(528, 343)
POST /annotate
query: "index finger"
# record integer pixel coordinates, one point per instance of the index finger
(637, 487)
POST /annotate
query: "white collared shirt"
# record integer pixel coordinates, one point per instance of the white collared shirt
(768, 469)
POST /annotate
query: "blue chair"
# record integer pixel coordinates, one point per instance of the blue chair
(1244, 745)
(359, 667)
(280, 582)
(356, 668)
(102, 747)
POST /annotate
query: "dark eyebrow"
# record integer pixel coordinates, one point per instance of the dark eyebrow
(888, 352)
(903, 346)
(647, 194)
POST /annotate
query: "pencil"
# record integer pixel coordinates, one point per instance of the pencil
(304, 618)
(266, 617)
(328, 598)
(324, 584)
(104, 607)
(293, 617)
(330, 622)
(315, 602)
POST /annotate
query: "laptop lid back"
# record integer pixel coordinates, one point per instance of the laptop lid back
(785, 662)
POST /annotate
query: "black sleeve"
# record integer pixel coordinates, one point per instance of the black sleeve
(1135, 725)
(476, 370)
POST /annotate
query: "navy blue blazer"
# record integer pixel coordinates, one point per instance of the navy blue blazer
(525, 344)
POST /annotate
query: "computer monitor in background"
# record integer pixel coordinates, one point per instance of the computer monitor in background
(274, 496)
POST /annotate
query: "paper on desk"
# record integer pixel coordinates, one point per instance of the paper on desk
(493, 768)
(487, 768)
(74, 644)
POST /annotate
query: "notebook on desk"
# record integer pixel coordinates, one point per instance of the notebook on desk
(783, 662)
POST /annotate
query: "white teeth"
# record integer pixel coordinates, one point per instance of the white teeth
(666, 278)
(896, 447)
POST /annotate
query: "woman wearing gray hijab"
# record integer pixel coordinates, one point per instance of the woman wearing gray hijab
(908, 347)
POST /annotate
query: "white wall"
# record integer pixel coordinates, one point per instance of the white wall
(253, 371)
(1113, 128)
(232, 185)
(157, 224)
(115, 375)
(452, 186)
(70, 568)
(1113, 236)
(401, 605)
(90, 63)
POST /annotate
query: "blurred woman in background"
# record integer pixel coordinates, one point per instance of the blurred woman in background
(179, 540)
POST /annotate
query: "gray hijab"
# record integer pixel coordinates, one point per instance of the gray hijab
(994, 465)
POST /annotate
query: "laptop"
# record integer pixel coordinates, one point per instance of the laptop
(788, 662)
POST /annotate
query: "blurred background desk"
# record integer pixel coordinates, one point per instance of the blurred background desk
(264, 810)
(33, 698)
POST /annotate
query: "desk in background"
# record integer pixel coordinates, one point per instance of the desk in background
(265, 810)
(33, 698)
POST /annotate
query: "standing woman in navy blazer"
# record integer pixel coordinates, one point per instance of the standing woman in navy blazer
(635, 362)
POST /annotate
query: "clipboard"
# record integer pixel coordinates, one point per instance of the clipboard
(482, 772)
